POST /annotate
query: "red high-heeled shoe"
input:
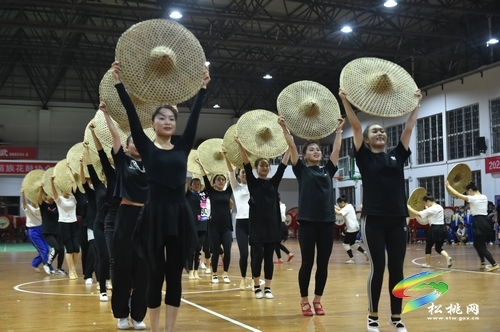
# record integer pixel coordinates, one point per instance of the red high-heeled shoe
(318, 308)
(306, 309)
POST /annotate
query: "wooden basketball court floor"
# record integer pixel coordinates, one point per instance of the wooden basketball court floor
(33, 301)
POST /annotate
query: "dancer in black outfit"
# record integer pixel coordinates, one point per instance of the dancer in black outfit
(167, 225)
(383, 220)
(86, 235)
(265, 218)
(316, 213)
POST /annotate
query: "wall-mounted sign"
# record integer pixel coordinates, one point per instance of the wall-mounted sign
(492, 164)
(23, 167)
(17, 152)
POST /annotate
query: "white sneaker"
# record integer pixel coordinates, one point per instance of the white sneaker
(258, 293)
(400, 327)
(208, 271)
(215, 279)
(123, 324)
(109, 286)
(268, 294)
(203, 266)
(88, 281)
(425, 265)
(226, 279)
(103, 297)
(138, 325)
(374, 327)
(46, 268)
(449, 262)
(351, 261)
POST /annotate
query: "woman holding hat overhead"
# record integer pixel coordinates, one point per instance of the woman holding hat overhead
(481, 224)
(437, 233)
(264, 217)
(383, 226)
(167, 223)
(316, 213)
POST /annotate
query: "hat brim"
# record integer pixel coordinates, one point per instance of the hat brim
(31, 184)
(211, 157)
(416, 199)
(233, 151)
(459, 177)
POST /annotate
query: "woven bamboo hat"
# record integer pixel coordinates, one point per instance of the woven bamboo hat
(309, 108)
(211, 156)
(161, 61)
(114, 106)
(46, 181)
(459, 177)
(73, 156)
(62, 180)
(232, 150)
(193, 166)
(31, 183)
(379, 87)
(416, 200)
(260, 134)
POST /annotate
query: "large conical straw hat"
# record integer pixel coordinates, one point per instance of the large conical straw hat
(46, 181)
(416, 199)
(233, 151)
(193, 166)
(459, 177)
(310, 109)
(63, 181)
(379, 87)
(260, 134)
(211, 157)
(31, 184)
(161, 61)
(114, 106)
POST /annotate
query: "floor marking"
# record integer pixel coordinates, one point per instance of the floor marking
(221, 316)
(451, 269)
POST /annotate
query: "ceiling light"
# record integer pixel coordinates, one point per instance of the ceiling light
(492, 41)
(175, 15)
(346, 29)
(207, 63)
(267, 77)
(390, 3)
(216, 106)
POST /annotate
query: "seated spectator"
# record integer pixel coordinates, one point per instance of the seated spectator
(461, 234)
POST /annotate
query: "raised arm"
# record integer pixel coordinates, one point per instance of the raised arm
(23, 199)
(286, 157)
(410, 123)
(111, 127)
(294, 154)
(243, 152)
(55, 195)
(334, 156)
(40, 193)
(83, 180)
(455, 193)
(413, 211)
(353, 120)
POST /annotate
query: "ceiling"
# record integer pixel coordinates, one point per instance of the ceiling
(58, 50)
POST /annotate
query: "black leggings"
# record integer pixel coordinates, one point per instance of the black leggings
(216, 240)
(433, 237)
(168, 268)
(55, 241)
(130, 269)
(482, 251)
(260, 252)
(314, 236)
(69, 235)
(279, 247)
(242, 240)
(195, 258)
(102, 268)
(381, 233)
(109, 233)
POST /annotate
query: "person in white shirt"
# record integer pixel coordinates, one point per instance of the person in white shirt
(461, 234)
(481, 225)
(35, 236)
(437, 234)
(347, 211)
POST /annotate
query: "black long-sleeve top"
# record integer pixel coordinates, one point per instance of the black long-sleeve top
(112, 202)
(166, 169)
(50, 218)
(100, 194)
(91, 206)
(219, 206)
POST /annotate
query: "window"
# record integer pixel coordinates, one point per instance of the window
(349, 193)
(10, 205)
(434, 186)
(393, 138)
(495, 125)
(463, 131)
(344, 158)
(430, 139)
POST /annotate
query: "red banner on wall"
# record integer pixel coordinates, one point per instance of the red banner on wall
(17, 152)
(492, 164)
(23, 167)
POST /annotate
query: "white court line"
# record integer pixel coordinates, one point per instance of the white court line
(18, 288)
(221, 316)
(453, 269)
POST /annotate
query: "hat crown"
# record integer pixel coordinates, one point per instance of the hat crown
(380, 83)
(264, 133)
(162, 60)
(309, 108)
